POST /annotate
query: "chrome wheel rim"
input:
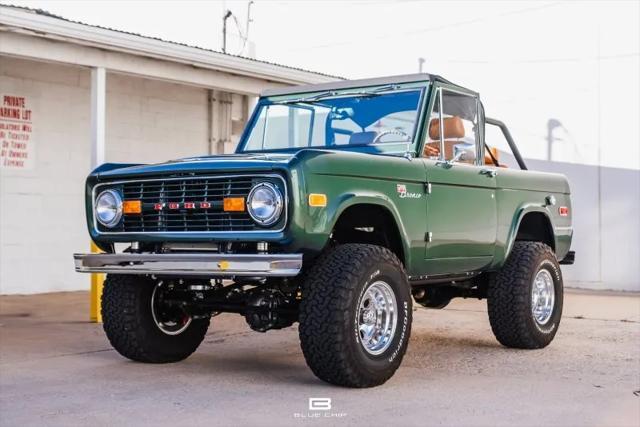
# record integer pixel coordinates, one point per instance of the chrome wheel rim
(542, 297)
(377, 317)
(173, 324)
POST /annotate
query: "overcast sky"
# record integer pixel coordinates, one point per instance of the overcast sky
(532, 61)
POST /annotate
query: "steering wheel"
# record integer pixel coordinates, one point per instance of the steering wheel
(390, 132)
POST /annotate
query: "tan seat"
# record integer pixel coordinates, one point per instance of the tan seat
(487, 157)
(453, 128)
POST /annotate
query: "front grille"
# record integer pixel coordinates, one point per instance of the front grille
(187, 204)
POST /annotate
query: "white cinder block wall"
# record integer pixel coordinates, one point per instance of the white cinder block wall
(154, 121)
(42, 220)
(41, 210)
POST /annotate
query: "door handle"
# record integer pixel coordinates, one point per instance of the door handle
(491, 173)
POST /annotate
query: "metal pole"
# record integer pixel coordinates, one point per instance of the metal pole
(599, 118)
(510, 141)
(98, 148)
(98, 115)
(551, 125)
(224, 30)
(212, 113)
(249, 20)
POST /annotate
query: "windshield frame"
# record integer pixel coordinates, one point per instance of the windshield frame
(395, 148)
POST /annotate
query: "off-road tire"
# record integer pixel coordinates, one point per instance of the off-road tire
(509, 297)
(328, 315)
(131, 330)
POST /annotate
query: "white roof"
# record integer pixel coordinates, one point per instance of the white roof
(44, 24)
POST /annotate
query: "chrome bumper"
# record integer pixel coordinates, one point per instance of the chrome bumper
(194, 264)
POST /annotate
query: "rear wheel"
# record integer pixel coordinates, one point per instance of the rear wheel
(525, 297)
(142, 327)
(355, 316)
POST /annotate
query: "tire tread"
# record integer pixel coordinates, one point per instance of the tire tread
(508, 300)
(126, 328)
(328, 291)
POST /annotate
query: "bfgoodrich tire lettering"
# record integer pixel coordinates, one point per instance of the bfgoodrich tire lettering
(130, 326)
(329, 332)
(509, 298)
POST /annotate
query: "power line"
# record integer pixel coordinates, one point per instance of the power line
(243, 36)
(434, 28)
(545, 60)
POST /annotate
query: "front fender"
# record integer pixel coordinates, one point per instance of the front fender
(321, 221)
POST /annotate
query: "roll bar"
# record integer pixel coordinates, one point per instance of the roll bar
(510, 141)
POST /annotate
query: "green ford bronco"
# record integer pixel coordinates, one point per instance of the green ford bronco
(343, 204)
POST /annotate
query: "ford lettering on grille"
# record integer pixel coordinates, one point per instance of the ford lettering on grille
(188, 204)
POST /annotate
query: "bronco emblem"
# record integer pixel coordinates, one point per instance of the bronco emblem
(404, 194)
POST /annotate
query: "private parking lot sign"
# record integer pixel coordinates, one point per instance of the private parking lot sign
(16, 133)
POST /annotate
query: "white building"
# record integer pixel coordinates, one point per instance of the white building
(73, 96)
(606, 225)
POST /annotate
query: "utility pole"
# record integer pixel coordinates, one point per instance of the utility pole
(599, 119)
(420, 64)
(226, 16)
(551, 125)
(249, 20)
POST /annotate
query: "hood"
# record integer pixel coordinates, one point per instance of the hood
(204, 164)
(317, 161)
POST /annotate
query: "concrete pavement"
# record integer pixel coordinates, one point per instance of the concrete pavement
(57, 369)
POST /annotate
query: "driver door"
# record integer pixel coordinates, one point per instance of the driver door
(461, 206)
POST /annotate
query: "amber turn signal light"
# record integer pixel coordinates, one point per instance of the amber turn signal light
(233, 204)
(132, 206)
(317, 200)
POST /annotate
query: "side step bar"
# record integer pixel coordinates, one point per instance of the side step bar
(191, 264)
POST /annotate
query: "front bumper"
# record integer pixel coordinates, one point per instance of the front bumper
(191, 264)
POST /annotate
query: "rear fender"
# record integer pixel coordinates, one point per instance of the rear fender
(515, 226)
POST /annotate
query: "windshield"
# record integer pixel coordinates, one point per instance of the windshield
(329, 119)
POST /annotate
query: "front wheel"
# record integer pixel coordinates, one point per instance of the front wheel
(525, 297)
(355, 316)
(142, 327)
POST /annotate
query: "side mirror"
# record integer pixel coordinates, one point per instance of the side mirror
(461, 152)
(460, 155)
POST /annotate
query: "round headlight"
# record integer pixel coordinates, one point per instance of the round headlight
(264, 203)
(109, 208)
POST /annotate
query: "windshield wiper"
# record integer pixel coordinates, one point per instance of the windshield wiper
(333, 93)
